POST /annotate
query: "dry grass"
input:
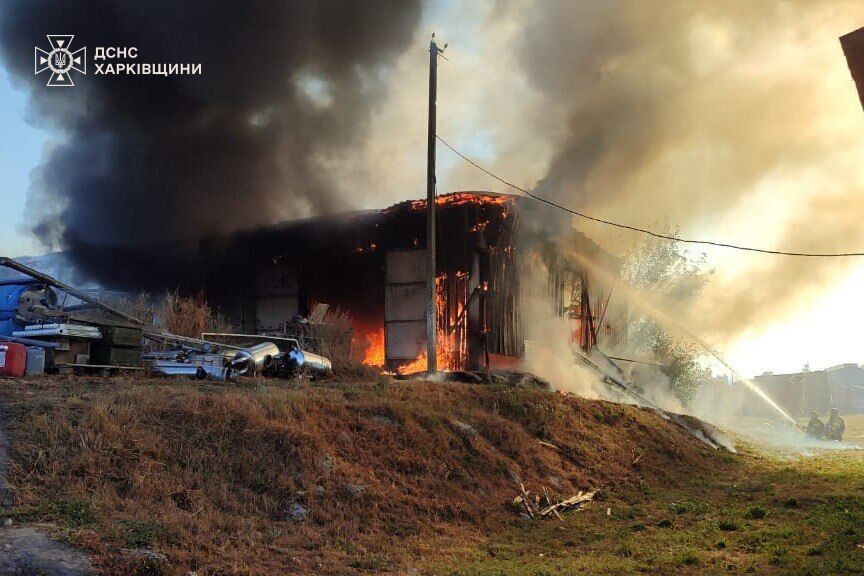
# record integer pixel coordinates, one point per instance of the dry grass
(336, 334)
(209, 475)
(186, 316)
(140, 307)
(760, 516)
(334, 338)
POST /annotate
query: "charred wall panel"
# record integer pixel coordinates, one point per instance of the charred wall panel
(504, 320)
(272, 312)
(275, 294)
(405, 305)
(403, 301)
(407, 266)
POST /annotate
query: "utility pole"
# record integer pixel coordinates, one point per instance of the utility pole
(431, 306)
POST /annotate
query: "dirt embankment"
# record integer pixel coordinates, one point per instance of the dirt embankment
(259, 479)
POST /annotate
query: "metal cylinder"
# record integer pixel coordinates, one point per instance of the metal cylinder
(255, 358)
(310, 362)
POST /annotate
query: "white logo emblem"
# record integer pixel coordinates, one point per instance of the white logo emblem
(60, 60)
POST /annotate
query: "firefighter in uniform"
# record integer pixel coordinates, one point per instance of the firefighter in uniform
(815, 428)
(836, 427)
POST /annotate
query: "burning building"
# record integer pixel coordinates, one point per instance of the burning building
(372, 265)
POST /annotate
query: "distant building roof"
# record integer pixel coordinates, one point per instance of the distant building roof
(847, 366)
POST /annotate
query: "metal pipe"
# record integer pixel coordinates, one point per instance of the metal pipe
(83, 296)
(310, 362)
(255, 358)
(166, 337)
(31, 342)
(637, 361)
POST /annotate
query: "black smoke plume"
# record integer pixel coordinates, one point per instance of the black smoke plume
(144, 163)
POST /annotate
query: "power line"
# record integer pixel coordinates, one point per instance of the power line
(637, 361)
(635, 228)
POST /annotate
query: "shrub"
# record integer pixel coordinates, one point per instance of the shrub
(142, 533)
(680, 508)
(140, 307)
(688, 559)
(624, 551)
(185, 316)
(756, 513)
(336, 334)
(68, 512)
(727, 525)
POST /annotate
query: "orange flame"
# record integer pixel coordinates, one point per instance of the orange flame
(451, 349)
(419, 364)
(374, 354)
(370, 248)
(462, 198)
(447, 355)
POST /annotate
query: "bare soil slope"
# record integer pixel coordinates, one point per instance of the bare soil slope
(263, 479)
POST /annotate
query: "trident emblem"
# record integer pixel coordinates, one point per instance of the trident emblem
(60, 60)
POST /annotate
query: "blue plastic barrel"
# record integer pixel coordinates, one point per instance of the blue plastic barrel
(10, 296)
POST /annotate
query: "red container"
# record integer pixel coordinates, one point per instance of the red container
(13, 358)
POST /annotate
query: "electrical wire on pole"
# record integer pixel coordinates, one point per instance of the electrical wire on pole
(431, 305)
(636, 228)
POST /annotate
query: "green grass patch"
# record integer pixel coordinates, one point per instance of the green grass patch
(66, 512)
(144, 533)
(758, 516)
(756, 513)
(727, 525)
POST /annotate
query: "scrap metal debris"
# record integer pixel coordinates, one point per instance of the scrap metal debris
(537, 506)
(35, 313)
(64, 328)
(614, 378)
(59, 329)
(275, 356)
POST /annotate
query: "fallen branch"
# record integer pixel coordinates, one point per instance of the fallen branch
(572, 502)
(548, 445)
(532, 507)
(525, 500)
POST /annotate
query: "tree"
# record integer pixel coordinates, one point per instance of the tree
(673, 280)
